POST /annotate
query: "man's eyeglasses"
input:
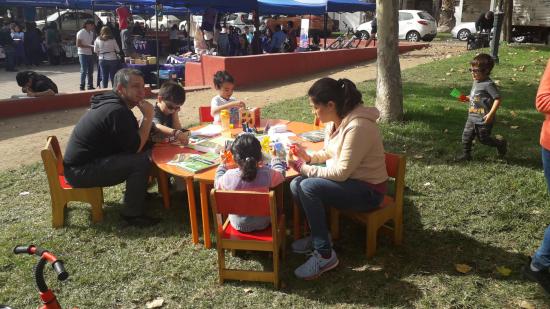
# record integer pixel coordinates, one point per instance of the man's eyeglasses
(474, 70)
(173, 107)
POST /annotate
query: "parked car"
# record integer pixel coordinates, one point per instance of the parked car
(239, 20)
(69, 20)
(165, 22)
(462, 30)
(413, 26)
(106, 16)
(138, 19)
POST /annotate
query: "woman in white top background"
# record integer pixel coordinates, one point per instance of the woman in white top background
(107, 49)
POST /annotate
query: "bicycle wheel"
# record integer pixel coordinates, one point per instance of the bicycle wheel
(336, 44)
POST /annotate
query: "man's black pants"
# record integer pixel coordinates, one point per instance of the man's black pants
(134, 168)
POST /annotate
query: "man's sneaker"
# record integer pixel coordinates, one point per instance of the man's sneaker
(316, 265)
(464, 157)
(502, 148)
(541, 276)
(91, 88)
(82, 88)
(305, 245)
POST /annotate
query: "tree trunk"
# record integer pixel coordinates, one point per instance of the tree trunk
(389, 92)
(507, 26)
(447, 17)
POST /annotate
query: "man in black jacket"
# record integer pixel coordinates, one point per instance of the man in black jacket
(485, 21)
(106, 146)
(35, 85)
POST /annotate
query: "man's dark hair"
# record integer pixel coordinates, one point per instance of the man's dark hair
(277, 28)
(24, 77)
(173, 92)
(89, 22)
(290, 24)
(483, 61)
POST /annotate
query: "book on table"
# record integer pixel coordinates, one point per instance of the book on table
(195, 162)
(314, 136)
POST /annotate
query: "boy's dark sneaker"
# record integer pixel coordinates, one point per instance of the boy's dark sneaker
(91, 88)
(464, 157)
(541, 276)
(502, 148)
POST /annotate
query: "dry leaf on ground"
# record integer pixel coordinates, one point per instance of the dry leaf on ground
(499, 137)
(418, 156)
(447, 108)
(463, 268)
(248, 290)
(526, 305)
(156, 303)
(504, 271)
(514, 127)
(448, 73)
(514, 114)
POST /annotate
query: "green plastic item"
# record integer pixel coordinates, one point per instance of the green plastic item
(456, 93)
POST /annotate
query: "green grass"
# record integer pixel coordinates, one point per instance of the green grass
(487, 213)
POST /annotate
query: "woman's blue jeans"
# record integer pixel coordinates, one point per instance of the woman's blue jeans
(314, 193)
(108, 71)
(541, 259)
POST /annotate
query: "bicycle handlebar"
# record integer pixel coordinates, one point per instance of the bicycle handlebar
(57, 265)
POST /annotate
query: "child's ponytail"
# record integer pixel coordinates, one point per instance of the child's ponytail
(247, 152)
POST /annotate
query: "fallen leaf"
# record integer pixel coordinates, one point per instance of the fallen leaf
(452, 70)
(526, 305)
(447, 108)
(362, 268)
(514, 114)
(513, 79)
(505, 121)
(529, 84)
(463, 268)
(497, 82)
(24, 193)
(535, 212)
(504, 271)
(442, 79)
(427, 184)
(499, 137)
(521, 68)
(448, 56)
(418, 156)
(248, 290)
(156, 303)
(445, 131)
(514, 127)
(461, 71)
(448, 73)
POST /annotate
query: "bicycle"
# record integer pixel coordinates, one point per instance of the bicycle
(46, 295)
(345, 41)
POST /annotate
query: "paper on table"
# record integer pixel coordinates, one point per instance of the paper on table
(209, 130)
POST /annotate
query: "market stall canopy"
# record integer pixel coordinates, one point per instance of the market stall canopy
(292, 7)
(350, 6)
(222, 6)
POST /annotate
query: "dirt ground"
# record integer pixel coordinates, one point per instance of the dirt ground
(22, 138)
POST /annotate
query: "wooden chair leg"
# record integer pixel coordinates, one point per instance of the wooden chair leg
(58, 214)
(221, 263)
(296, 220)
(97, 209)
(335, 223)
(276, 259)
(398, 231)
(371, 240)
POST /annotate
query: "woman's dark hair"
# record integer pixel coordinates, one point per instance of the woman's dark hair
(222, 77)
(247, 152)
(342, 92)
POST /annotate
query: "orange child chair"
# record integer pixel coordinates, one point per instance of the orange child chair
(61, 192)
(271, 239)
(391, 209)
(204, 114)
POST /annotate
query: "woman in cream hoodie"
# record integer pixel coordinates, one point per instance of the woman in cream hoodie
(355, 173)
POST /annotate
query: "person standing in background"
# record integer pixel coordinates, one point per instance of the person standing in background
(7, 42)
(123, 13)
(84, 42)
(32, 44)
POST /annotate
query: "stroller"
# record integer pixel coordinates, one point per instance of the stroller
(477, 40)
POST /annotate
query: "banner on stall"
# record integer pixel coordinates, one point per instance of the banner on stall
(304, 38)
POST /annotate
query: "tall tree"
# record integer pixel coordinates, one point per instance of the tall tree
(447, 16)
(507, 26)
(389, 92)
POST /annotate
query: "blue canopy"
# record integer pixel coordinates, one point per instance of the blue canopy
(31, 3)
(292, 7)
(223, 6)
(349, 6)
